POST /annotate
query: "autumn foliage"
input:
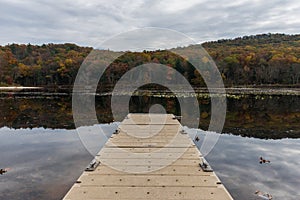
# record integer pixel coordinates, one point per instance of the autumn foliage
(250, 60)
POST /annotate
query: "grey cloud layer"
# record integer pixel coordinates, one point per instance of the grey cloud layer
(93, 21)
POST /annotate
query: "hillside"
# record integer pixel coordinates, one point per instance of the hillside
(272, 59)
(260, 59)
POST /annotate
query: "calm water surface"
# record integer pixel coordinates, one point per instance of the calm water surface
(236, 161)
(45, 155)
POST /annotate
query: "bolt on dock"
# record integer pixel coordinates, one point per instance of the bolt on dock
(149, 157)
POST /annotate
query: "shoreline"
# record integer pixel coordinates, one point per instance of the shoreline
(18, 88)
(294, 91)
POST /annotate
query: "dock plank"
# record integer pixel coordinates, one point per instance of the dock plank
(149, 158)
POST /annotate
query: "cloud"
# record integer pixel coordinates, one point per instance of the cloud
(94, 21)
(234, 157)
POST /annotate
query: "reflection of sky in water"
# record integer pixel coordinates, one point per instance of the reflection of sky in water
(45, 163)
(236, 161)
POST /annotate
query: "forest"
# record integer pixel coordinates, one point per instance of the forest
(266, 59)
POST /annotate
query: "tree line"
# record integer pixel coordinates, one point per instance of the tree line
(250, 60)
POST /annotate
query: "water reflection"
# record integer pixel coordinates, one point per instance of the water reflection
(270, 117)
(236, 161)
(46, 156)
(45, 163)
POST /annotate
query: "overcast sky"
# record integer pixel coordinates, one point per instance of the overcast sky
(86, 22)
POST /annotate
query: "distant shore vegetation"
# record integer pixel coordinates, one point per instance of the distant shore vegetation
(266, 59)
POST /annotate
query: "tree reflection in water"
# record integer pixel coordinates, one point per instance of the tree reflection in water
(268, 117)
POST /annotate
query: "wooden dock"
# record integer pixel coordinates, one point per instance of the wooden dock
(149, 157)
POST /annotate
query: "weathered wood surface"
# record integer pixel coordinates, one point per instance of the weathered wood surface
(149, 158)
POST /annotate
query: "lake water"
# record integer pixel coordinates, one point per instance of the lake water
(45, 155)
